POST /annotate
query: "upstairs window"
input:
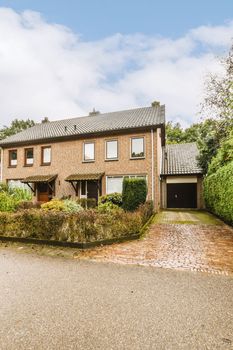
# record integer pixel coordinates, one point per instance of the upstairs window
(13, 158)
(89, 152)
(111, 149)
(137, 147)
(46, 155)
(28, 157)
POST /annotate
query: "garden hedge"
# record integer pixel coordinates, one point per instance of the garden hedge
(218, 193)
(134, 193)
(84, 226)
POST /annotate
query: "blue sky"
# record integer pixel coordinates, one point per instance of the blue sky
(96, 19)
(62, 58)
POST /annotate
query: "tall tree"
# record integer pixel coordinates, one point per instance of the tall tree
(16, 126)
(174, 133)
(218, 103)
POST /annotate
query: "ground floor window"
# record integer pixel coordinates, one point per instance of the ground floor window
(114, 183)
(18, 184)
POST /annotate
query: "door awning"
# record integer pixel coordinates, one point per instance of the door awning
(39, 178)
(84, 176)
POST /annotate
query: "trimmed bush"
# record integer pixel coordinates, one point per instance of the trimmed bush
(134, 193)
(218, 193)
(114, 198)
(84, 226)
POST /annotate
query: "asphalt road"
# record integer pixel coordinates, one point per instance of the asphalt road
(54, 303)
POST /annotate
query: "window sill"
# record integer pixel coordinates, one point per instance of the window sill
(28, 165)
(111, 159)
(12, 166)
(45, 164)
(136, 158)
(88, 161)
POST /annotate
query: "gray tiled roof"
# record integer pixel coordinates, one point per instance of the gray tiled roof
(100, 123)
(180, 159)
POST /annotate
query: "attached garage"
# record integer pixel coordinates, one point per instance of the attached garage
(181, 179)
(181, 195)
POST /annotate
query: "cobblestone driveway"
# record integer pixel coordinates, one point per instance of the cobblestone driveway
(177, 239)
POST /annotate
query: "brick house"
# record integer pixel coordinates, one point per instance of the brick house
(89, 156)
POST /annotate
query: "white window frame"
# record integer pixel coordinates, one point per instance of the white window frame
(106, 149)
(123, 176)
(144, 148)
(42, 157)
(88, 143)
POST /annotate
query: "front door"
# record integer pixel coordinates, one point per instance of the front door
(92, 189)
(44, 192)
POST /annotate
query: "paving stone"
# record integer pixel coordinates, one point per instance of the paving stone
(197, 247)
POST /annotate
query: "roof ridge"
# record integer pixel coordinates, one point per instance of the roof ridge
(100, 114)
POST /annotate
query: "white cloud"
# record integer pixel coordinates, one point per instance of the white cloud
(47, 70)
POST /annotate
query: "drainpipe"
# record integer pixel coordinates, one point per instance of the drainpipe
(152, 164)
(1, 175)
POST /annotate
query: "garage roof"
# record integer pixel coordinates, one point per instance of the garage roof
(181, 159)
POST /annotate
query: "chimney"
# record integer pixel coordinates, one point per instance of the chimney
(45, 120)
(155, 104)
(93, 113)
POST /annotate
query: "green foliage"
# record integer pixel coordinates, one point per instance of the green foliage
(208, 135)
(218, 192)
(84, 226)
(174, 133)
(67, 206)
(54, 205)
(11, 197)
(146, 210)
(107, 207)
(134, 193)
(28, 205)
(223, 156)
(16, 126)
(72, 206)
(87, 203)
(114, 198)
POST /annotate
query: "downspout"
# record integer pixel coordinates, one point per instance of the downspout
(152, 164)
(1, 175)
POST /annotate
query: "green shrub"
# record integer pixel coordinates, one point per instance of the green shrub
(108, 207)
(11, 197)
(54, 205)
(134, 193)
(218, 192)
(84, 226)
(72, 206)
(146, 210)
(28, 205)
(87, 203)
(114, 198)
(67, 206)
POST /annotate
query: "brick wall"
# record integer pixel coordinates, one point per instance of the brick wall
(67, 159)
